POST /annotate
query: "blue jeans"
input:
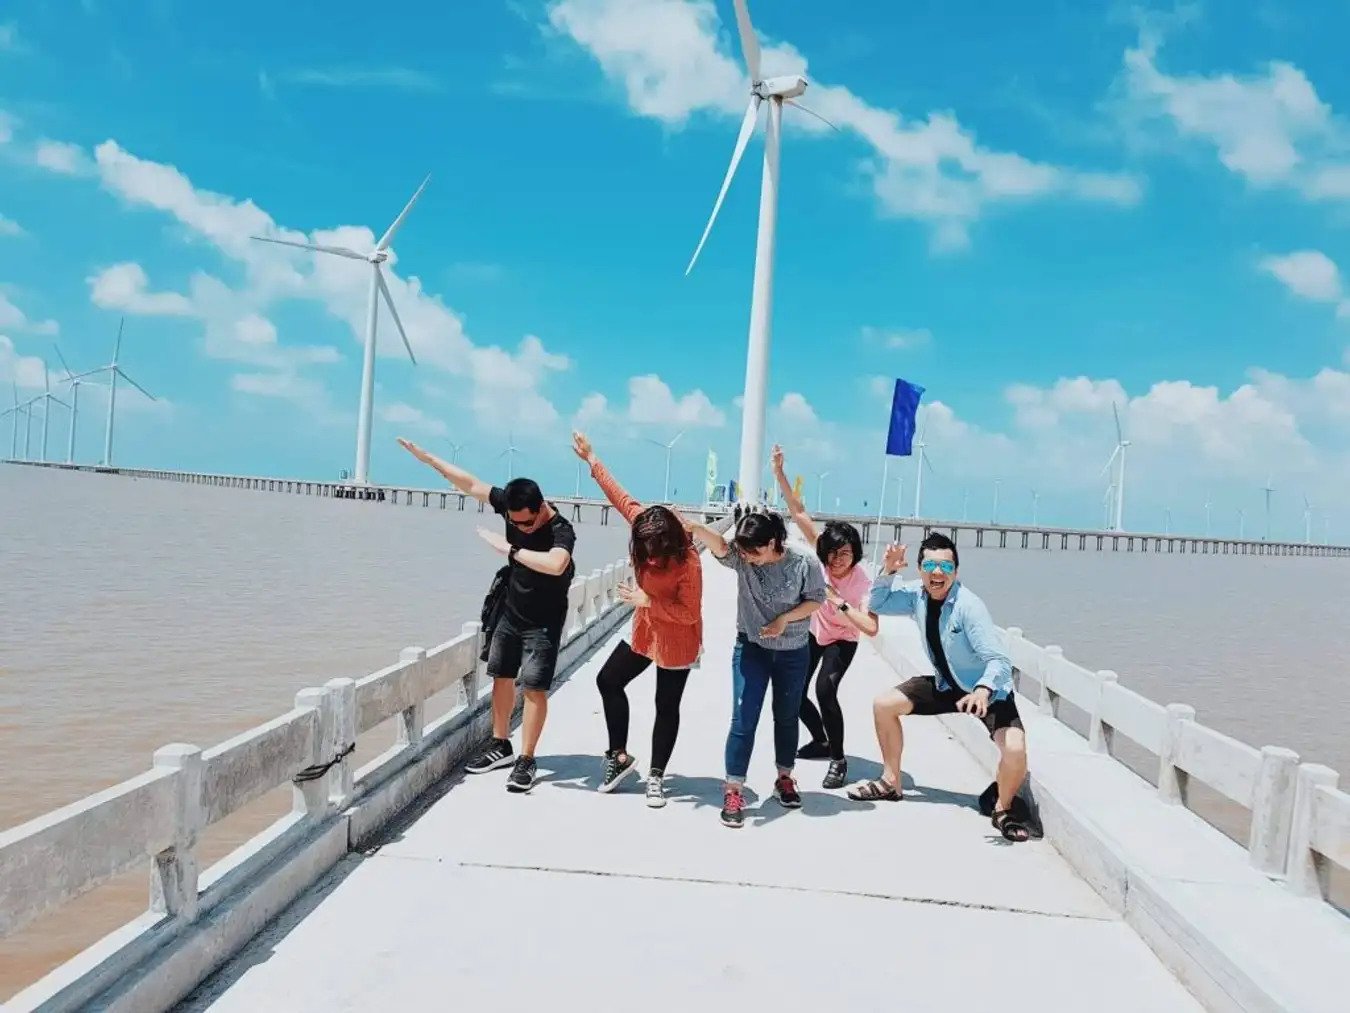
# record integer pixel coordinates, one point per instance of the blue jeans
(753, 669)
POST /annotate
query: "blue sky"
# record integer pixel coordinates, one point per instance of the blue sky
(1030, 216)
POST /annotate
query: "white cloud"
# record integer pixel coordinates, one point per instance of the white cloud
(794, 408)
(13, 318)
(671, 62)
(9, 227)
(392, 78)
(651, 402)
(61, 157)
(1269, 127)
(897, 337)
(24, 370)
(401, 414)
(9, 38)
(498, 379)
(1312, 275)
(6, 127)
(124, 287)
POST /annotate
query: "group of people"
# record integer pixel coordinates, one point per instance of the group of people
(798, 618)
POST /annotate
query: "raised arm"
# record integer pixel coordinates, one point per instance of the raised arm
(456, 476)
(887, 600)
(609, 485)
(714, 542)
(796, 508)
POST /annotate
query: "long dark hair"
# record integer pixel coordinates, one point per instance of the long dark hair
(658, 538)
(756, 530)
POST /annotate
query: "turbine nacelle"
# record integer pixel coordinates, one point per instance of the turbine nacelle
(786, 87)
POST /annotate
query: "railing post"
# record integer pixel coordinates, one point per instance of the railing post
(1050, 657)
(344, 738)
(472, 684)
(173, 875)
(311, 797)
(610, 583)
(1099, 735)
(412, 719)
(1273, 810)
(1171, 780)
(594, 596)
(1301, 875)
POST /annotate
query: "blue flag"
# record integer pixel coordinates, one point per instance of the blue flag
(904, 408)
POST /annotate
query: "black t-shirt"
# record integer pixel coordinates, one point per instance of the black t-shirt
(535, 599)
(934, 619)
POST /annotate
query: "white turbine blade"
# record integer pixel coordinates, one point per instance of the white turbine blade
(1111, 460)
(812, 112)
(122, 373)
(64, 365)
(118, 346)
(749, 41)
(1120, 436)
(389, 301)
(655, 443)
(388, 237)
(677, 437)
(53, 397)
(747, 128)
(337, 251)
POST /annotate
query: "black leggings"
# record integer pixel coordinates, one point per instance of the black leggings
(827, 724)
(622, 668)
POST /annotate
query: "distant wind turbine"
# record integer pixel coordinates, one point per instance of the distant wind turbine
(1307, 521)
(775, 91)
(995, 517)
(1167, 529)
(1208, 504)
(1119, 452)
(667, 447)
(1269, 488)
(965, 505)
(919, 462)
(47, 397)
(378, 288)
(1242, 523)
(1035, 507)
(75, 384)
(114, 371)
(510, 454)
(820, 488)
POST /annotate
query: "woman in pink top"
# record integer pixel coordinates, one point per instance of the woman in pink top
(835, 628)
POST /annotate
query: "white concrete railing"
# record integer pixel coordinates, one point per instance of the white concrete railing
(1300, 822)
(157, 817)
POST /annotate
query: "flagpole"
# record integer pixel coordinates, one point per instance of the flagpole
(885, 480)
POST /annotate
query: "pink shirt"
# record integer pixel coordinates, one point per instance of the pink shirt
(827, 625)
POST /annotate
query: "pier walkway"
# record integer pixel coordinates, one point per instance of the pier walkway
(567, 897)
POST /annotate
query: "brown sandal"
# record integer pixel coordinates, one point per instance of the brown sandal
(874, 791)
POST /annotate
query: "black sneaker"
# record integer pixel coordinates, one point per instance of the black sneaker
(834, 777)
(814, 751)
(522, 775)
(615, 771)
(497, 754)
(733, 806)
(785, 790)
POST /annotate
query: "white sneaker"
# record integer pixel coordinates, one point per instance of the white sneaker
(656, 791)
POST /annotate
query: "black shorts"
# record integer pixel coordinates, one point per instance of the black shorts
(529, 654)
(928, 699)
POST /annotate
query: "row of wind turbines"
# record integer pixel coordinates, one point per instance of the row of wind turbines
(74, 381)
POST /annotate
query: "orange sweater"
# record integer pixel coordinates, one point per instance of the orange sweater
(670, 629)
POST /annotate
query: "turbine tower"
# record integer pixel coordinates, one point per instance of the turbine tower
(668, 447)
(378, 288)
(510, 454)
(920, 461)
(75, 384)
(1307, 521)
(820, 488)
(775, 91)
(47, 397)
(114, 371)
(1268, 488)
(1119, 452)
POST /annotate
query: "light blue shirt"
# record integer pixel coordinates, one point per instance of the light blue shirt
(970, 640)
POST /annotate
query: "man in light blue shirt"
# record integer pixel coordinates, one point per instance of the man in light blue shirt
(972, 675)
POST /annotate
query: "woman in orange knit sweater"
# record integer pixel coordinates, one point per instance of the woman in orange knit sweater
(667, 601)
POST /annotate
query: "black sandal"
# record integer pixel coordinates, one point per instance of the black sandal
(1013, 828)
(874, 791)
(834, 777)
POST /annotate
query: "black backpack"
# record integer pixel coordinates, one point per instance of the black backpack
(492, 607)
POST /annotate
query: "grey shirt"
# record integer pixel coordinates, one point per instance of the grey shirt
(763, 593)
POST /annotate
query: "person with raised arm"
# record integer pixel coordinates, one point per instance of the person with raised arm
(778, 589)
(667, 600)
(538, 544)
(972, 674)
(835, 628)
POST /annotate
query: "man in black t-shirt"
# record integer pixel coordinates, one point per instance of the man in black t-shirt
(538, 544)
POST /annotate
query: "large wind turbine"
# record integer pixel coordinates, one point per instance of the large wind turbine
(378, 288)
(820, 488)
(511, 450)
(1268, 488)
(1307, 521)
(775, 91)
(14, 411)
(1121, 445)
(667, 447)
(75, 384)
(47, 397)
(114, 371)
(919, 462)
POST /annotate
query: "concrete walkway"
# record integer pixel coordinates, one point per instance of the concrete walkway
(568, 898)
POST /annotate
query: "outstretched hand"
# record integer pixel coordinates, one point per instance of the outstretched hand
(582, 447)
(497, 541)
(894, 560)
(412, 448)
(776, 457)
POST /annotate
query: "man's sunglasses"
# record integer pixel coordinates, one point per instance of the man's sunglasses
(945, 565)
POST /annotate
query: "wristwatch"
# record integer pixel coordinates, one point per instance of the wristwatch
(843, 606)
(511, 554)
